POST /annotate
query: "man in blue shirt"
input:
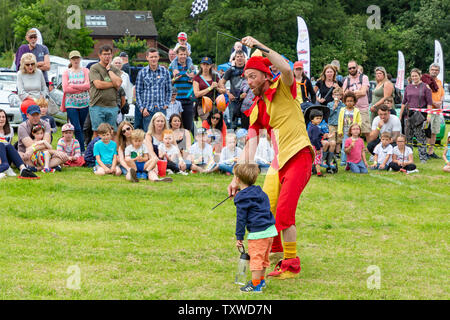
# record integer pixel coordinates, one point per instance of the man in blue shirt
(153, 90)
(182, 80)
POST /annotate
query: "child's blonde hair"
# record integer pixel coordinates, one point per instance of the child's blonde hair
(350, 129)
(385, 135)
(246, 172)
(138, 134)
(42, 102)
(338, 90)
(104, 128)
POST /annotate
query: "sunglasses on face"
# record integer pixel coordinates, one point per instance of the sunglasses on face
(351, 68)
(126, 129)
(29, 64)
(33, 37)
(216, 118)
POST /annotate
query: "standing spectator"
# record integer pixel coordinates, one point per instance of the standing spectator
(359, 84)
(126, 83)
(125, 64)
(315, 136)
(417, 95)
(384, 122)
(326, 84)
(172, 55)
(333, 137)
(30, 80)
(153, 88)
(234, 75)
(105, 80)
(205, 83)
(246, 95)
(174, 105)
(75, 83)
(437, 95)
(237, 47)
(347, 117)
(182, 77)
(182, 42)
(306, 95)
(337, 66)
(383, 89)
(40, 52)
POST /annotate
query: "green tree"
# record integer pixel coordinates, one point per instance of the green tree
(131, 46)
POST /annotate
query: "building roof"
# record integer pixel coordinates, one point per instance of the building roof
(117, 23)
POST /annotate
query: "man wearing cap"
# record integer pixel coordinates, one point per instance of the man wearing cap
(153, 88)
(275, 109)
(125, 63)
(25, 140)
(40, 51)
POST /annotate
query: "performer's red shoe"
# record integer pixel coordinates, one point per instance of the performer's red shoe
(286, 269)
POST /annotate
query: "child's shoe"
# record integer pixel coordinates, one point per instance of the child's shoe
(286, 269)
(249, 287)
(10, 172)
(48, 170)
(2, 175)
(263, 283)
(320, 175)
(169, 171)
(184, 173)
(57, 168)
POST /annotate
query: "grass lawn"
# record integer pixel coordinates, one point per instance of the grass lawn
(162, 241)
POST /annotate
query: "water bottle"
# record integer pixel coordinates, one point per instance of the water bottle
(244, 261)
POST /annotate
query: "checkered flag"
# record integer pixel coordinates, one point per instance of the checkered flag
(198, 6)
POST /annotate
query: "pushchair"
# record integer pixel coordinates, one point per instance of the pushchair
(329, 159)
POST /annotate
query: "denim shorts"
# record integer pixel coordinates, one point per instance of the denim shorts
(100, 114)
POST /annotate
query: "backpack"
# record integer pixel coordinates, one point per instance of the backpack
(369, 90)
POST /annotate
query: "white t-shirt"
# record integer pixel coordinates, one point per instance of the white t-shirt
(133, 153)
(402, 156)
(392, 125)
(201, 156)
(382, 153)
(227, 156)
(171, 151)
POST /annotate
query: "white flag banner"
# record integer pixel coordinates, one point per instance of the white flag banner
(400, 83)
(303, 53)
(439, 59)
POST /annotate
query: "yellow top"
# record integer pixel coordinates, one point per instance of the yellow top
(284, 121)
(299, 98)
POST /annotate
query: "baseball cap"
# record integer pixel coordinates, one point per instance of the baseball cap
(123, 54)
(31, 31)
(298, 64)
(182, 35)
(33, 109)
(74, 54)
(174, 90)
(67, 127)
(206, 60)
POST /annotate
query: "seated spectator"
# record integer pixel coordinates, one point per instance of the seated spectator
(8, 154)
(43, 104)
(383, 153)
(182, 136)
(229, 155)
(70, 146)
(355, 150)
(201, 153)
(40, 150)
(25, 140)
(264, 152)
(217, 130)
(174, 105)
(241, 136)
(402, 157)
(169, 151)
(384, 122)
(138, 159)
(154, 135)
(105, 153)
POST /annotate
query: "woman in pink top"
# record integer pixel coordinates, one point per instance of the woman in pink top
(75, 81)
(354, 148)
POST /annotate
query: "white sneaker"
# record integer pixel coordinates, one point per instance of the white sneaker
(2, 175)
(169, 171)
(184, 173)
(10, 172)
(412, 171)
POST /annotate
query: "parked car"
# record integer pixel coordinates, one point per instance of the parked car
(8, 79)
(10, 102)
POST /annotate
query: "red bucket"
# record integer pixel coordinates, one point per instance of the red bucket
(162, 167)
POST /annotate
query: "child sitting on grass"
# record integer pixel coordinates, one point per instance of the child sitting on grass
(169, 151)
(70, 146)
(201, 153)
(229, 155)
(446, 155)
(355, 150)
(105, 153)
(383, 153)
(264, 152)
(402, 157)
(40, 150)
(253, 212)
(315, 136)
(137, 156)
(89, 154)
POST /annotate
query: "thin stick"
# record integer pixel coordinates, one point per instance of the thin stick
(256, 47)
(221, 202)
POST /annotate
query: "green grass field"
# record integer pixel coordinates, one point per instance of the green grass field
(162, 241)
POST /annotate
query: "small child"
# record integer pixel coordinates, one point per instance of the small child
(446, 155)
(43, 105)
(182, 41)
(264, 152)
(347, 116)
(389, 101)
(253, 212)
(355, 150)
(174, 105)
(315, 136)
(40, 150)
(335, 107)
(229, 155)
(169, 151)
(402, 157)
(241, 136)
(105, 153)
(137, 156)
(201, 153)
(70, 146)
(383, 153)
(89, 154)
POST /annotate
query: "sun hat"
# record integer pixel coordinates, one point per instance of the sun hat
(74, 54)
(67, 127)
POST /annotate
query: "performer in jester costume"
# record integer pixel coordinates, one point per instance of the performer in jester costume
(275, 109)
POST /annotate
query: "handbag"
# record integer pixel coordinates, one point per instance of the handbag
(417, 118)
